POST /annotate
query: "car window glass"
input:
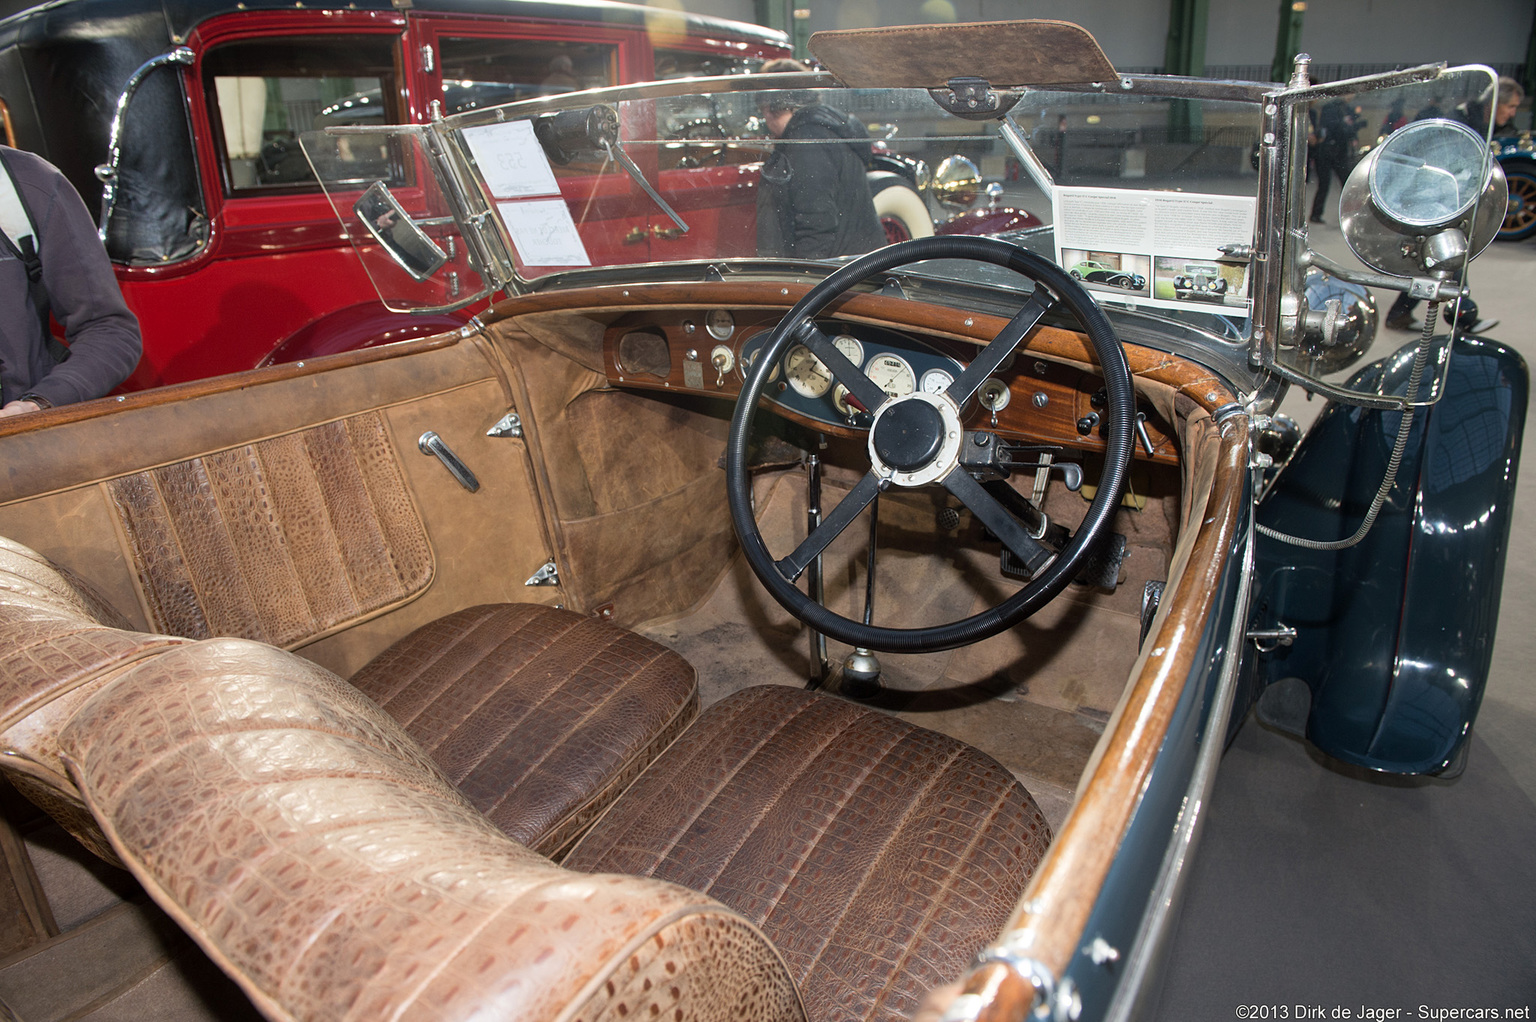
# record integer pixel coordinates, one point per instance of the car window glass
(264, 92)
(484, 72)
(688, 64)
(490, 71)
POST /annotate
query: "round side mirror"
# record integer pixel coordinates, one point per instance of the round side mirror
(1423, 200)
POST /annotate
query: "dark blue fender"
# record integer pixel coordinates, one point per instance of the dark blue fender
(1394, 635)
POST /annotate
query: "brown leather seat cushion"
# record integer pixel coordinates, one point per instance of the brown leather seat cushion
(879, 857)
(540, 716)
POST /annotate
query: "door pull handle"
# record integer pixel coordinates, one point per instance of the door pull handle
(431, 443)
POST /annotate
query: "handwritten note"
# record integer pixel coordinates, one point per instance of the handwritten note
(510, 159)
(544, 233)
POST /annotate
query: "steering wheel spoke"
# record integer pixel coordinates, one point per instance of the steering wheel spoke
(861, 387)
(842, 516)
(994, 516)
(1001, 346)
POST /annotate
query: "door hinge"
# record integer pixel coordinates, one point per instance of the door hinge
(509, 425)
(548, 575)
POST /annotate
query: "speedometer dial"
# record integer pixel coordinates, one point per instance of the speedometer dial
(806, 373)
(892, 374)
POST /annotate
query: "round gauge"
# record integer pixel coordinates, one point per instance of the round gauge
(720, 324)
(891, 374)
(852, 350)
(936, 381)
(748, 357)
(806, 373)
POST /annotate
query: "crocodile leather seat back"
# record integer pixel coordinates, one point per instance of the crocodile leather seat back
(879, 857)
(59, 641)
(540, 716)
(326, 863)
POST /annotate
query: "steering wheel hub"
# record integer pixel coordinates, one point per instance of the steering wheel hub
(915, 439)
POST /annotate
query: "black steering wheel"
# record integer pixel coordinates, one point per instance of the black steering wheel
(918, 440)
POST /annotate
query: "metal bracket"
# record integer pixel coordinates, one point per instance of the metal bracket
(1283, 635)
(1424, 287)
(510, 424)
(548, 575)
(973, 98)
(1054, 1002)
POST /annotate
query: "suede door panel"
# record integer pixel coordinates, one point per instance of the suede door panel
(634, 482)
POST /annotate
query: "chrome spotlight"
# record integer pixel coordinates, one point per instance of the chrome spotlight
(1424, 201)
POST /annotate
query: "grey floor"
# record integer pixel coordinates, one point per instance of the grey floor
(1319, 885)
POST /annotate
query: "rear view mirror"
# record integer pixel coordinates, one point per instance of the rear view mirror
(390, 225)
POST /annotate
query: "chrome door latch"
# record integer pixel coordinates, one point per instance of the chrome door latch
(1267, 640)
(431, 443)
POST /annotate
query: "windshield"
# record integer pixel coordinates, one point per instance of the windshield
(1137, 187)
(1172, 196)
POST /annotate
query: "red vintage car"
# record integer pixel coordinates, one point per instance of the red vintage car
(180, 125)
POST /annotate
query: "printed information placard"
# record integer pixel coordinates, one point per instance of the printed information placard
(1161, 249)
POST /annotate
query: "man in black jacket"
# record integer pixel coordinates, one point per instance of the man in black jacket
(814, 200)
(1338, 122)
(73, 277)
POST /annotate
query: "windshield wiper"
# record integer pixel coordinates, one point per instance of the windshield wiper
(568, 134)
(617, 153)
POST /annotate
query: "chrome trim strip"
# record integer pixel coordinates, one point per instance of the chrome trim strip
(106, 173)
(1152, 937)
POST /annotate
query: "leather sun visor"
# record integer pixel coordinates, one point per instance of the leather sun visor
(1005, 53)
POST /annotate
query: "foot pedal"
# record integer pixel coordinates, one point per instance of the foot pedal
(1100, 569)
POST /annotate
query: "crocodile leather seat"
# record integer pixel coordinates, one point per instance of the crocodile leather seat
(541, 716)
(794, 856)
(879, 857)
(329, 867)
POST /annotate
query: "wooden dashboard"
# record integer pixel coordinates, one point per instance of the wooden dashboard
(708, 350)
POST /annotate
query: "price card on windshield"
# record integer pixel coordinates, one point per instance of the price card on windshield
(510, 160)
(1162, 249)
